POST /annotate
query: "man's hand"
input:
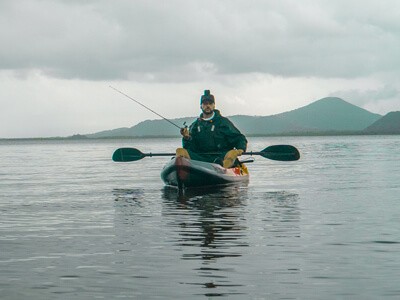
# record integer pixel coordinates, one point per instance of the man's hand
(230, 157)
(185, 133)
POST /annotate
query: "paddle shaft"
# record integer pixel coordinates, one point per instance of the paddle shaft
(207, 153)
(276, 152)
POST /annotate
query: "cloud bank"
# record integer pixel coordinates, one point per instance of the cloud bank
(241, 49)
(147, 40)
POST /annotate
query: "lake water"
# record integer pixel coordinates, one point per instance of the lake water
(75, 225)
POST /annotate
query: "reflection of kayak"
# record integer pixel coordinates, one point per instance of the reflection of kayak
(183, 172)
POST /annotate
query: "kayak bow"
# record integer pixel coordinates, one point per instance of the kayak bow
(182, 172)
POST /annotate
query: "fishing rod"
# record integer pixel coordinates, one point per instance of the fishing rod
(145, 106)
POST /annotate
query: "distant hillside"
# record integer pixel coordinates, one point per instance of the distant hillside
(145, 128)
(388, 124)
(325, 115)
(330, 114)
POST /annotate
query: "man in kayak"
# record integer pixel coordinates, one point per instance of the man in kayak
(212, 133)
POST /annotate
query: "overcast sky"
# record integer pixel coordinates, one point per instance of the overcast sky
(59, 57)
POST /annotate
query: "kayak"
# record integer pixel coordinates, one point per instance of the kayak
(182, 172)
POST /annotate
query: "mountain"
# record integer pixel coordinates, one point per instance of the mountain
(388, 124)
(326, 115)
(331, 114)
(156, 128)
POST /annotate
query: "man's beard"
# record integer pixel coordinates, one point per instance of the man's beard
(208, 111)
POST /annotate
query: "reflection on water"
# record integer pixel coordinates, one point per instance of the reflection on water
(211, 227)
(283, 215)
(215, 222)
(74, 225)
(210, 235)
(128, 197)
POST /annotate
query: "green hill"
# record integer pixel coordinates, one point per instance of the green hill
(388, 124)
(156, 128)
(323, 116)
(331, 114)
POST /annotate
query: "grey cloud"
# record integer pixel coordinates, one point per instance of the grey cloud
(185, 40)
(361, 98)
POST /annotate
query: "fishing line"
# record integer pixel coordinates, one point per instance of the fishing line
(145, 106)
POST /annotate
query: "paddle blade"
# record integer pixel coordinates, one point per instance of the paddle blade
(281, 152)
(127, 154)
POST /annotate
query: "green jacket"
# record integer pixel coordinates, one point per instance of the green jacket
(216, 135)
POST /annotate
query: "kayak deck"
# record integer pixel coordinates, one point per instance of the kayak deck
(182, 172)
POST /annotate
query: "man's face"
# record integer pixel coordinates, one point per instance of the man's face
(207, 107)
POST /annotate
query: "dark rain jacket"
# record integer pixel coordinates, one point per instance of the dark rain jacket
(216, 135)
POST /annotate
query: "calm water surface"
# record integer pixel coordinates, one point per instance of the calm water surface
(75, 225)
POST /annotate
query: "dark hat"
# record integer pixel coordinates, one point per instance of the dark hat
(207, 97)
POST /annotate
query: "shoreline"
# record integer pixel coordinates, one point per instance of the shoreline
(85, 138)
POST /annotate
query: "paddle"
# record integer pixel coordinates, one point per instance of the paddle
(276, 152)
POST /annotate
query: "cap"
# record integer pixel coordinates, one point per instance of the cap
(207, 97)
